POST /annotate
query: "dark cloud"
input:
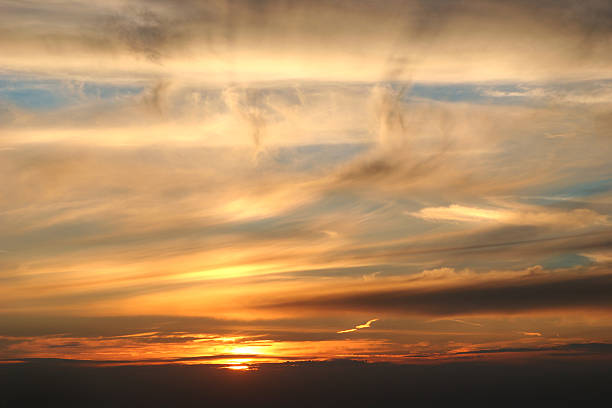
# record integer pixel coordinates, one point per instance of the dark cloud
(142, 31)
(581, 348)
(70, 344)
(523, 294)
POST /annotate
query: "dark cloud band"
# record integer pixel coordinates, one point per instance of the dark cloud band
(520, 295)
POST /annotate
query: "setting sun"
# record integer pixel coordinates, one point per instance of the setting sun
(239, 367)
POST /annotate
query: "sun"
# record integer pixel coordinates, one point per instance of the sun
(238, 367)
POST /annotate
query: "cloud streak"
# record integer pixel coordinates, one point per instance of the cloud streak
(366, 325)
(521, 294)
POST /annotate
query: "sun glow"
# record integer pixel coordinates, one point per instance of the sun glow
(239, 367)
(246, 350)
(237, 364)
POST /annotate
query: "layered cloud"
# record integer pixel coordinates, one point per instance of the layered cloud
(353, 40)
(448, 294)
(275, 172)
(520, 216)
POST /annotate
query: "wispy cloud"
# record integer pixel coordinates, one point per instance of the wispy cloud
(242, 166)
(359, 326)
(533, 334)
(522, 215)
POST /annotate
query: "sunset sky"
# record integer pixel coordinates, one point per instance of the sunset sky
(249, 181)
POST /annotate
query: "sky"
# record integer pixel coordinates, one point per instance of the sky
(242, 181)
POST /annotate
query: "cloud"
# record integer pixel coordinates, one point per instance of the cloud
(573, 93)
(270, 152)
(515, 295)
(461, 213)
(246, 105)
(358, 327)
(577, 348)
(523, 215)
(155, 99)
(402, 39)
(142, 30)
